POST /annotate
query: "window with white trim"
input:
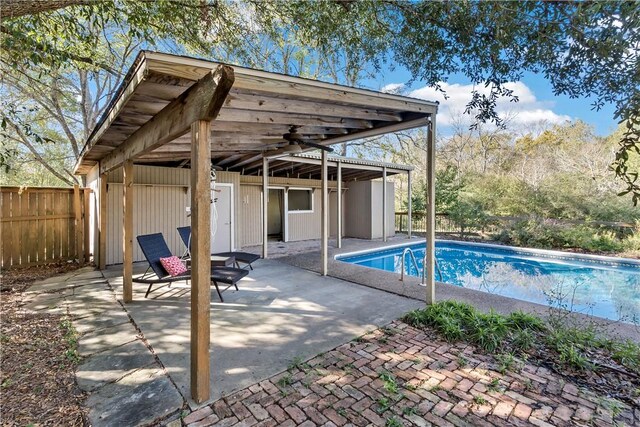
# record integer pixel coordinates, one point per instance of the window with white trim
(300, 200)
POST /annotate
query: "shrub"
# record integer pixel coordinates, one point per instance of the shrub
(519, 333)
(540, 234)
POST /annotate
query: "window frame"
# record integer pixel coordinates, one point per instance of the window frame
(310, 190)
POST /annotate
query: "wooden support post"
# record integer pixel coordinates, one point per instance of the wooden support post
(200, 259)
(265, 210)
(325, 215)
(384, 203)
(409, 207)
(339, 204)
(102, 221)
(86, 216)
(79, 229)
(127, 233)
(429, 261)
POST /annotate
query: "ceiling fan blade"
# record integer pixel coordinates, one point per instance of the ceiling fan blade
(316, 145)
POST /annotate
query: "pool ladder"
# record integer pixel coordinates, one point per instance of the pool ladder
(415, 264)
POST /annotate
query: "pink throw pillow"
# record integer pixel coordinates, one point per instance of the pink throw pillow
(173, 265)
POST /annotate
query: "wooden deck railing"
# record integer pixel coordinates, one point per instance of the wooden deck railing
(40, 225)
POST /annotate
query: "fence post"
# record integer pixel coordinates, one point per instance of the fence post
(77, 207)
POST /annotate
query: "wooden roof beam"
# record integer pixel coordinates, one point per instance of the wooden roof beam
(247, 116)
(252, 102)
(246, 161)
(229, 159)
(202, 101)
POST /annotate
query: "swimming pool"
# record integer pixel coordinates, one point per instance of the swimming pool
(602, 286)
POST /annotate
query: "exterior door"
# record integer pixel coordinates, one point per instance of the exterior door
(221, 219)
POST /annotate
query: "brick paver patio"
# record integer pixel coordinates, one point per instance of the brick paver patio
(398, 375)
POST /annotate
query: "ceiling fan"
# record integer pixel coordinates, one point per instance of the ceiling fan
(294, 141)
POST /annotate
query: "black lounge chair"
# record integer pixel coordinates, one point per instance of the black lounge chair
(240, 257)
(154, 247)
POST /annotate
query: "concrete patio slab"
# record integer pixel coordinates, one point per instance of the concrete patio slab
(280, 313)
(106, 339)
(113, 364)
(102, 320)
(137, 399)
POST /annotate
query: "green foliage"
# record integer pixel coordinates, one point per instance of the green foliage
(393, 422)
(383, 404)
(494, 384)
(479, 400)
(298, 363)
(285, 381)
(71, 337)
(507, 362)
(449, 183)
(389, 382)
(520, 333)
(542, 234)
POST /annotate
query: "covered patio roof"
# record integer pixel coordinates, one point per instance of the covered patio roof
(260, 108)
(172, 110)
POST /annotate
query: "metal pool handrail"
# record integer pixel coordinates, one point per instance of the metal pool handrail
(413, 258)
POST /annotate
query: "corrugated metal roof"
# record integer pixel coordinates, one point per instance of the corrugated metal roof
(355, 161)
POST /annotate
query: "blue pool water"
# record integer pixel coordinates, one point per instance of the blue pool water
(604, 287)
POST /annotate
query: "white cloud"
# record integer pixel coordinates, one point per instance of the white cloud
(527, 111)
(392, 88)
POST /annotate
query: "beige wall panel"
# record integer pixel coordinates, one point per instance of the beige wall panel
(357, 206)
(333, 213)
(93, 182)
(306, 226)
(391, 211)
(154, 175)
(376, 209)
(157, 209)
(233, 178)
(249, 216)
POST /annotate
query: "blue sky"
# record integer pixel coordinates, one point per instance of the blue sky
(537, 102)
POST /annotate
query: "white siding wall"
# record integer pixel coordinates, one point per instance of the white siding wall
(162, 194)
(160, 198)
(250, 212)
(156, 209)
(306, 226)
(93, 182)
(301, 226)
(358, 210)
(363, 209)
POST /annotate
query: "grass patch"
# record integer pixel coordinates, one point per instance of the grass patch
(393, 422)
(389, 381)
(383, 405)
(285, 382)
(298, 363)
(479, 400)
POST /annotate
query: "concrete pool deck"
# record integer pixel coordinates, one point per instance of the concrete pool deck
(306, 255)
(280, 314)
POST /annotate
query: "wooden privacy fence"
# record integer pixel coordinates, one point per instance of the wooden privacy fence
(41, 225)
